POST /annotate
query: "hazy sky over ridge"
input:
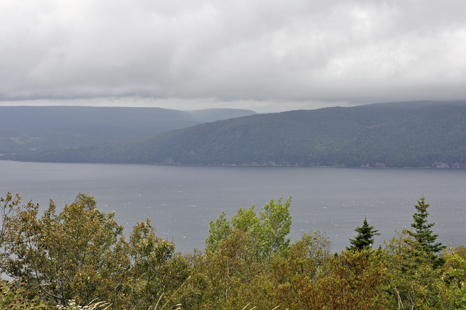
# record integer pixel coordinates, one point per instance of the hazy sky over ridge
(263, 55)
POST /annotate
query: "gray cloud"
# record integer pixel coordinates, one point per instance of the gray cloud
(224, 52)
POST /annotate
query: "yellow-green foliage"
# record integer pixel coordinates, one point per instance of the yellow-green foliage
(13, 295)
(81, 254)
(455, 276)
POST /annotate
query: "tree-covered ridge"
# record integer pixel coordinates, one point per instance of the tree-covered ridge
(431, 136)
(26, 128)
(79, 256)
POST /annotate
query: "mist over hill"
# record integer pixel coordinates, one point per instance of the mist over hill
(416, 104)
(371, 136)
(29, 128)
(212, 115)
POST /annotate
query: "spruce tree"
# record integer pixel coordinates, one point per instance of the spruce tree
(365, 237)
(424, 234)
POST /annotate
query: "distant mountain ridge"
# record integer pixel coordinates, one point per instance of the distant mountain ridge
(416, 104)
(27, 128)
(368, 136)
(212, 115)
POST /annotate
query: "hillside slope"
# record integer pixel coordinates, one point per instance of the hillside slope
(28, 128)
(357, 136)
(212, 115)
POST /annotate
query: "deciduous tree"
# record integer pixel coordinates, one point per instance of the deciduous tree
(66, 255)
(268, 231)
(80, 253)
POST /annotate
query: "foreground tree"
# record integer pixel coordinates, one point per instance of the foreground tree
(268, 231)
(14, 296)
(424, 235)
(365, 238)
(357, 280)
(78, 253)
(156, 269)
(81, 254)
(413, 282)
(9, 206)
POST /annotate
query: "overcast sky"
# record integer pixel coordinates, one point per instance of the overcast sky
(266, 55)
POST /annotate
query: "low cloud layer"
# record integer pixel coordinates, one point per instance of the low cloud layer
(232, 53)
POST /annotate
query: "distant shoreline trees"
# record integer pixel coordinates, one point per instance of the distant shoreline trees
(363, 136)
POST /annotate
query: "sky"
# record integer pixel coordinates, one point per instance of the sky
(264, 55)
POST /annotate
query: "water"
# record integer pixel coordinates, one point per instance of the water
(181, 200)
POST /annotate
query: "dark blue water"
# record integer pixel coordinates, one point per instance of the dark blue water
(181, 200)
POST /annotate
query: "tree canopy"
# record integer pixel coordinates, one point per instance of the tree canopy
(79, 256)
(365, 238)
(269, 230)
(424, 235)
(80, 253)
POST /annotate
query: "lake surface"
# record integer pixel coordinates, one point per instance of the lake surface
(181, 200)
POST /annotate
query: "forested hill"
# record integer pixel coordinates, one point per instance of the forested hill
(26, 128)
(372, 135)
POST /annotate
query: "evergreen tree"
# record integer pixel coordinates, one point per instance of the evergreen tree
(365, 237)
(424, 235)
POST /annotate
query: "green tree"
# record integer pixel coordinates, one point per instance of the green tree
(275, 227)
(81, 254)
(68, 255)
(455, 275)
(365, 238)
(424, 235)
(356, 281)
(218, 231)
(8, 207)
(413, 282)
(268, 231)
(156, 270)
(14, 296)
